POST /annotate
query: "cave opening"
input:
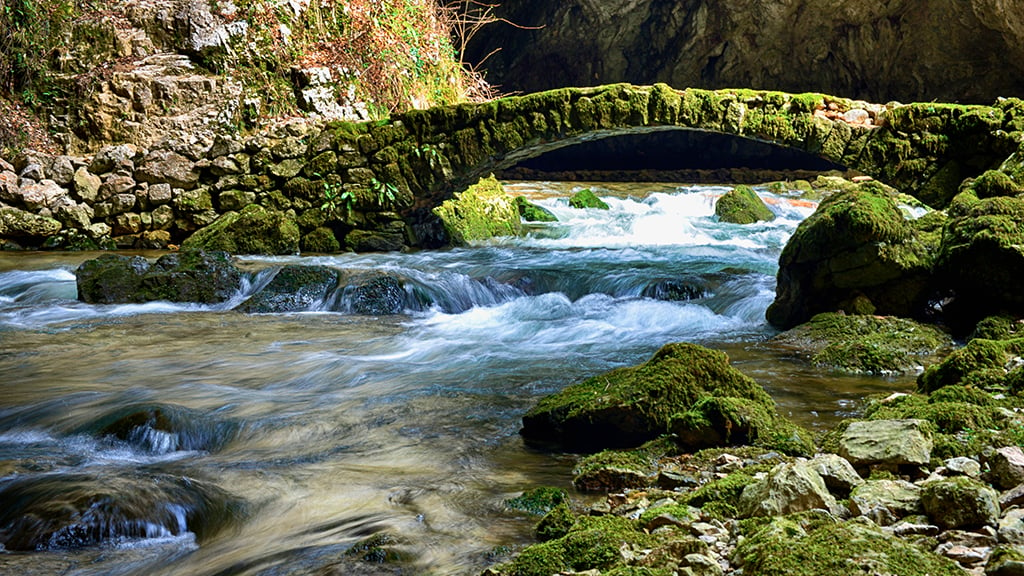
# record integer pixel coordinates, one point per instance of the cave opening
(685, 155)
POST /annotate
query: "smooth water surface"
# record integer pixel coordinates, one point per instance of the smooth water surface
(307, 432)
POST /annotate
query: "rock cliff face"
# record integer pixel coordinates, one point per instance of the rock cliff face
(878, 50)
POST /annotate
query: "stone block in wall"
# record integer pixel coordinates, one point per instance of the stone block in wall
(236, 199)
(360, 176)
(289, 148)
(167, 166)
(350, 158)
(33, 170)
(98, 230)
(113, 185)
(9, 190)
(159, 194)
(111, 157)
(162, 217)
(86, 185)
(321, 165)
(128, 223)
(154, 239)
(15, 223)
(288, 168)
(275, 200)
(62, 170)
(197, 200)
(225, 145)
(121, 203)
(44, 194)
(224, 165)
(75, 215)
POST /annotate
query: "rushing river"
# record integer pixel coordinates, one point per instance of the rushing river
(304, 433)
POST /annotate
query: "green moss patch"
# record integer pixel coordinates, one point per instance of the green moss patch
(482, 211)
(742, 205)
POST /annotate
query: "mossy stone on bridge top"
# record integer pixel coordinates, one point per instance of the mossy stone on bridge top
(742, 205)
(629, 406)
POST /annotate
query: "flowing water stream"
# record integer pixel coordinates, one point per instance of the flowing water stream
(297, 435)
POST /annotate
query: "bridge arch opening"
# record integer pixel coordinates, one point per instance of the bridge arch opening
(675, 155)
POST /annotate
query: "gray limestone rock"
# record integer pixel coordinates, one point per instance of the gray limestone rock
(888, 442)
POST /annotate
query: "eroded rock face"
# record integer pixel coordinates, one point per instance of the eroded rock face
(897, 50)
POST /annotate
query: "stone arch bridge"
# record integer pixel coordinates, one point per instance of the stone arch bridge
(924, 149)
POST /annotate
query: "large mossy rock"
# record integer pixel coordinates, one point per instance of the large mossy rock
(956, 503)
(629, 406)
(186, 276)
(726, 421)
(254, 230)
(886, 442)
(293, 288)
(742, 205)
(865, 343)
(482, 211)
(856, 253)
(982, 363)
(812, 545)
(981, 261)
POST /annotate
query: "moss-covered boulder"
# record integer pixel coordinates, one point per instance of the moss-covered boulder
(537, 501)
(742, 205)
(186, 276)
(982, 363)
(482, 211)
(725, 421)
(631, 405)
(886, 442)
(531, 212)
(586, 198)
(955, 503)
(254, 230)
(981, 260)
(856, 253)
(293, 288)
(788, 488)
(865, 343)
(813, 545)
(617, 470)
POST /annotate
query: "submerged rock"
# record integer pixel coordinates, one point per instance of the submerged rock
(742, 205)
(70, 511)
(629, 406)
(162, 429)
(186, 276)
(293, 288)
(380, 296)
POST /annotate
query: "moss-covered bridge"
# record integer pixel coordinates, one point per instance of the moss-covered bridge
(422, 157)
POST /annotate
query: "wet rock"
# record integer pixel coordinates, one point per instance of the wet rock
(380, 296)
(885, 501)
(293, 288)
(614, 471)
(1006, 467)
(856, 253)
(374, 241)
(788, 488)
(187, 276)
(742, 205)
(380, 548)
(537, 501)
(254, 230)
(960, 503)
(628, 406)
(162, 429)
(586, 198)
(674, 290)
(69, 511)
(531, 212)
(886, 442)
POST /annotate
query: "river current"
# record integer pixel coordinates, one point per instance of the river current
(305, 433)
